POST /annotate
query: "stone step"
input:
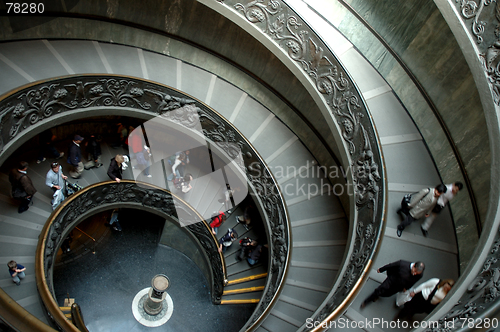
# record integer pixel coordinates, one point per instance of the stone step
(250, 281)
(243, 290)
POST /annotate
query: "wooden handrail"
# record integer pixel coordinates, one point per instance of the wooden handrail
(76, 317)
(19, 318)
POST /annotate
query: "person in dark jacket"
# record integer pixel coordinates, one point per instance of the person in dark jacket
(75, 157)
(94, 152)
(115, 168)
(254, 256)
(401, 275)
(46, 139)
(22, 187)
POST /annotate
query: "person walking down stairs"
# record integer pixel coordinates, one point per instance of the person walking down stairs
(75, 157)
(421, 205)
(401, 275)
(22, 187)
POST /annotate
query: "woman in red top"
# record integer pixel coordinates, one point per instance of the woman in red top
(217, 221)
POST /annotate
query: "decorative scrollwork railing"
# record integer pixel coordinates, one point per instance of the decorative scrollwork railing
(31, 109)
(277, 22)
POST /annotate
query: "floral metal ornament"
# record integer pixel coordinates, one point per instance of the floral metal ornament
(282, 25)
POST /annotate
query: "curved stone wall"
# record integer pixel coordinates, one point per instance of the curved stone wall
(282, 30)
(190, 22)
(428, 49)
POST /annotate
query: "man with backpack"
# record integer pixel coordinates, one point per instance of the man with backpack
(75, 157)
(451, 191)
(217, 222)
(421, 205)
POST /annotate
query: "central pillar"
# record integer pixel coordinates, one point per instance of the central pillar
(157, 294)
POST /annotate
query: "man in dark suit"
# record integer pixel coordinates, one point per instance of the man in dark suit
(401, 275)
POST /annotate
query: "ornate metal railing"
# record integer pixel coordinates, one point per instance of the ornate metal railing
(29, 110)
(300, 48)
(453, 146)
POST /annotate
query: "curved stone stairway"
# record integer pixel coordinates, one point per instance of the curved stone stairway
(409, 168)
(319, 226)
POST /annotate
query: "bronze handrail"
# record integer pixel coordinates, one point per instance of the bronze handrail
(19, 318)
(90, 237)
(77, 318)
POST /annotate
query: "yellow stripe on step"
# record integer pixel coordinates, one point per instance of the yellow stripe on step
(243, 290)
(239, 301)
(254, 277)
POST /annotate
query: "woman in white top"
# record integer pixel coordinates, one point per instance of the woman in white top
(179, 159)
(426, 297)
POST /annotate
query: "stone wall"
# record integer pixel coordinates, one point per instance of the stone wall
(419, 35)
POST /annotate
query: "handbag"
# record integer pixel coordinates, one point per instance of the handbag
(437, 208)
(403, 297)
(72, 188)
(57, 198)
(405, 202)
(185, 189)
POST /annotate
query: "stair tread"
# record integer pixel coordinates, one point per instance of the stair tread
(243, 296)
(250, 283)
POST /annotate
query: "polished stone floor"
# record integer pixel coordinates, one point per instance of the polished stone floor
(105, 283)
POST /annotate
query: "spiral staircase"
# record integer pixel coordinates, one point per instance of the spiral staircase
(319, 224)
